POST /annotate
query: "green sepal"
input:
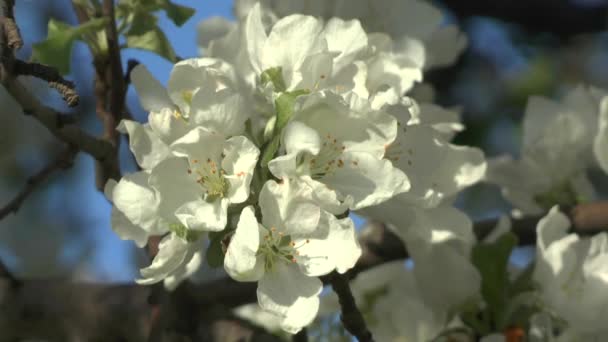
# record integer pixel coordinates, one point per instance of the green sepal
(274, 76)
(284, 107)
(187, 234)
(56, 50)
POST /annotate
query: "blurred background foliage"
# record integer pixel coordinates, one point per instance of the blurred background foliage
(63, 229)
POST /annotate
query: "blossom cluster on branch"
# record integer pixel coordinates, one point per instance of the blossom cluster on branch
(301, 113)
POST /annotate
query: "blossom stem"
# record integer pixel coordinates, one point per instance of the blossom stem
(351, 317)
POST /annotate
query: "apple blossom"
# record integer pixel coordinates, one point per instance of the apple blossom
(294, 244)
(572, 275)
(337, 149)
(560, 142)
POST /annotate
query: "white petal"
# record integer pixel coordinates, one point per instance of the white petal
(172, 251)
(192, 263)
(223, 111)
(167, 125)
(346, 37)
(200, 144)
(284, 166)
(298, 137)
(134, 198)
(600, 144)
(241, 157)
(146, 146)
(256, 37)
(368, 180)
(127, 230)
(279, 291)
(241, 261)
(333, 246)
(288, 207)
(203, 215)
(444, 46)
(152, 95)
(436, 168)
(300, 314)
(174, 185)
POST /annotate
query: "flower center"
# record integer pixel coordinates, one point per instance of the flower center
(277, 247)
(210, 177)
(327, 160)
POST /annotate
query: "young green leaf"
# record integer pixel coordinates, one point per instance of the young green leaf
(153, 40)
(492, 259)
(57, 48)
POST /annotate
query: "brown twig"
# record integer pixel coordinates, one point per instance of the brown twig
(110, 94)
(64, 161)
(351, 317)
(10, 28)
(66, 88)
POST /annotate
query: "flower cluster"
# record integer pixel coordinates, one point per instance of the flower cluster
(288, 124)
(561, 141)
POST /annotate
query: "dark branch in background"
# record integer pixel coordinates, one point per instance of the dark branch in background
(351, 317)
(562, 18)
(66, 88)
(64, 161)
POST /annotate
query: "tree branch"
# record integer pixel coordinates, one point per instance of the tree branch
(51, 75)
(60, 125)
(562, 18)
(351, 317)
(62, 162)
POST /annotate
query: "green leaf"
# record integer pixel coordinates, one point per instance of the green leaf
(57, 48)
(177, 13)
(140, 23)
(491, 260)
(153, 40)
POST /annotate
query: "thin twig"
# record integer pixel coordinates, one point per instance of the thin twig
(66, 88)
(64, 161)
(351, 317)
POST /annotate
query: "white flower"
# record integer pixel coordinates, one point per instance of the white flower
(438, 171)
(201, 92)
(389, 297)
(206, 175)
(316, 55)
(338, 149)
(134, 210)
(559, 143)
(135, 217)
(398, 18)
(295, 243)
(573, 274)
(176, 260)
